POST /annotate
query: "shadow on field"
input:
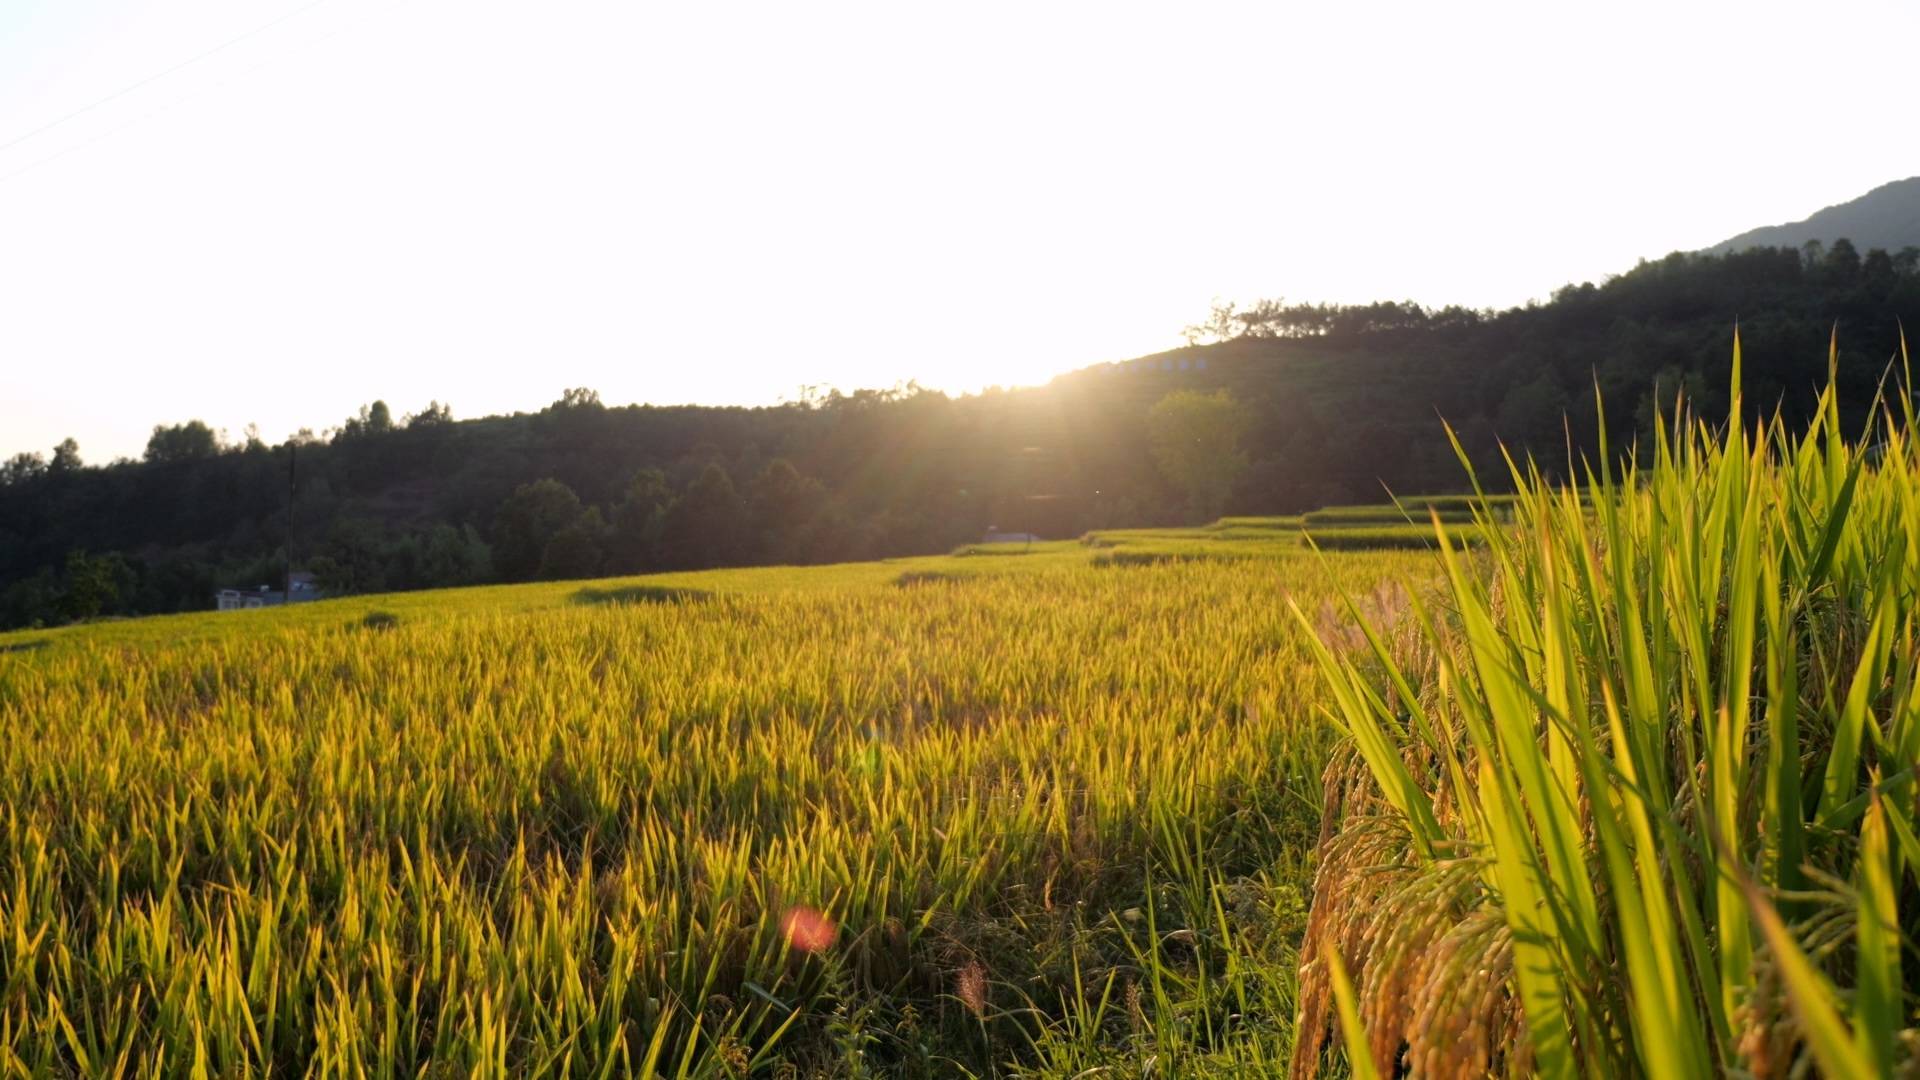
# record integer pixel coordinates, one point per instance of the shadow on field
(24, 646)
(376, 620)
(641, 594)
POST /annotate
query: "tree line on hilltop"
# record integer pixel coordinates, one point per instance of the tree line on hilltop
(1296, 406)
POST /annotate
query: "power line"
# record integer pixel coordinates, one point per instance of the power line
(187, 63)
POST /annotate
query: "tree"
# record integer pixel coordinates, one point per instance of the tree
(1877, 272)
(66, 458)
(1813, 256)
(434, 415)
(574, 551)
(94, 584)
(527, 522)
(705, 526)
(31, 601)
(577, 397)
(1534, 414)
(781, 504)
(356, 558)
(454, 556)
(191, 441)
(1843, 263)
(1222, 324)
(1673, 388)
(636, 521)
(21, 468)
(374, 419)
(1195, 439)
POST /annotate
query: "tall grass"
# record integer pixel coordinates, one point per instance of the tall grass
(1634, 794)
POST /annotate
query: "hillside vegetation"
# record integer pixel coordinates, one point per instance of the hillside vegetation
(1335, 405)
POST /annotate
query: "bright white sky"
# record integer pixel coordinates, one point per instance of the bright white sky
(485, 202)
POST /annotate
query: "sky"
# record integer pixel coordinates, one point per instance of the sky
(271, 212)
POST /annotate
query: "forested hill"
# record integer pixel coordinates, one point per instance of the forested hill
(1338, 401)
(1886, 217)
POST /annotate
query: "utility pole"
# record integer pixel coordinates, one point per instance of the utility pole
(1030, 457)
(292, 452)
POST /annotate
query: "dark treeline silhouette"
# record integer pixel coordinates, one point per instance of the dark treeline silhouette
(1333, 404)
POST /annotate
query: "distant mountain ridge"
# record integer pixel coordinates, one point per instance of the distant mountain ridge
(1886, 217)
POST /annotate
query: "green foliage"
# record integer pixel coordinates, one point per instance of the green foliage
(66, 458)
(353, 559)
(434, 415)
(1659, 740)
(22, 469)
(705, 526)
(577, 398)
(782, 504)
(575, 550)
(1671, 386)
(93, 584)
(87, 587)
(172, 445)
(527, 522)
(1196, 443)
(1533, 413)
(452, 556)
(374, 419)
(362, 556)
(636, 521)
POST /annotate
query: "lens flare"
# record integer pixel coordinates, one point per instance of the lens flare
(808, 930)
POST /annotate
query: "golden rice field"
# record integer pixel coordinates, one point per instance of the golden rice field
(1623, 783)
(1057, 813)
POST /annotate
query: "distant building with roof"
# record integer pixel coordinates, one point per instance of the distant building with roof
(304, 590)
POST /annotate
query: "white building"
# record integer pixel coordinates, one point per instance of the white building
(242, 599)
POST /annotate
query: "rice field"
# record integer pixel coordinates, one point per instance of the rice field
(1623, 783)
(958, 816)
